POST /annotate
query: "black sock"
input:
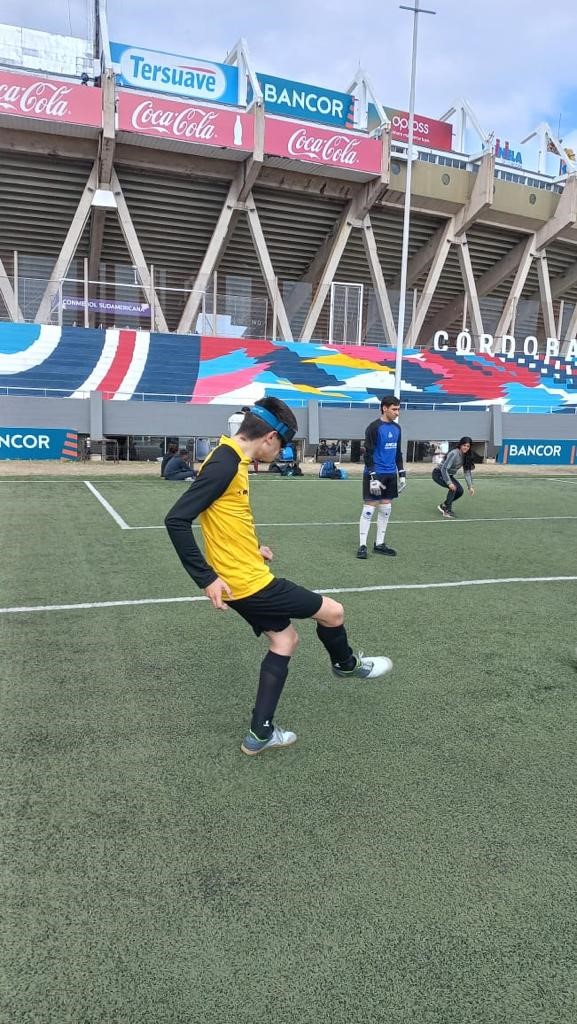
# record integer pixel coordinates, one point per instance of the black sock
(334, 639)
(273, 673)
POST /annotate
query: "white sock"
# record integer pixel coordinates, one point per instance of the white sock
(365, 523)
(383, 521)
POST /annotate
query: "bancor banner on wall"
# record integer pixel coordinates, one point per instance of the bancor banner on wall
(48, 99)
(185, 122)
(306, 102)
(322, 146)
(427, 131)
(168, 72)
(522, 452)
(37, 443)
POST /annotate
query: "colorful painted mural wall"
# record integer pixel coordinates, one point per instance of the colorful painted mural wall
(70, 362)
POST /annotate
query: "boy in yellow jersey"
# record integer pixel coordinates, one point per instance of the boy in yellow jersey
(235, 573)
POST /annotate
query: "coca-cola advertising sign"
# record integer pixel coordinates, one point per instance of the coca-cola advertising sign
(185, 122)
(321, 146)
(48, 99)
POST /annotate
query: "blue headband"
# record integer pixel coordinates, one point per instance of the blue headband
(286, 432)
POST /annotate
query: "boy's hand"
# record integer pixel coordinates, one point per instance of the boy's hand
(471, 491)
(215, 591)
(266, 553)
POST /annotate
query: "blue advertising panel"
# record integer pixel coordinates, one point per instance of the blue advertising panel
(306, 102)
(190, 77)
(520, 451)
(37, 443)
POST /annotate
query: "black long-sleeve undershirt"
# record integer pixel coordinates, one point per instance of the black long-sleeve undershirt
(215, 476)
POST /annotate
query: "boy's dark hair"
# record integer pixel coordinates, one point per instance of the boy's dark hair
(388, 400)
(252, 427)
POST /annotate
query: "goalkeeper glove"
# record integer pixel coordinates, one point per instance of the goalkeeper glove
(375, 487)
(402, 481)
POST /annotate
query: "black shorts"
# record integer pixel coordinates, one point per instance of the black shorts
(272, 608)
(390, 490)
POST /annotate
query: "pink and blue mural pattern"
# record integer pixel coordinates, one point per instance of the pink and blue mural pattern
(70, 362)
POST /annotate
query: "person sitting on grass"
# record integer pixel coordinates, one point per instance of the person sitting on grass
(171, 451)
(235, 572)
(178, 468)
(458, 458)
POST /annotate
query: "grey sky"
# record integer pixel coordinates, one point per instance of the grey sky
(513, 60)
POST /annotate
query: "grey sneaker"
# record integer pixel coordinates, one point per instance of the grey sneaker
(366, 668)
(362, 552)
(280, 738)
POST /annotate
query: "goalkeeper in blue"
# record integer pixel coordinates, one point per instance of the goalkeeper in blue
(384, 476)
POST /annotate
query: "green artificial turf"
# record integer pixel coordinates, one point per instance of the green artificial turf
(412, 860)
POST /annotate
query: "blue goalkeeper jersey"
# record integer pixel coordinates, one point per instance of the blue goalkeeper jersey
(383, 448)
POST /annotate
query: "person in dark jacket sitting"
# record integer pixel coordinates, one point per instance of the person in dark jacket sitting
(171, 451)
(177, 468)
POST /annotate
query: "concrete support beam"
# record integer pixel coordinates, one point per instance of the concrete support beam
(137, 255)
(69, 247)
(221, 236)
(570, 333)
(516, 289)
(473, 306)
(480, 199)
(334, 249)
(267, 269)
(546, 300)
(433, 276)
(564, 217)
(381, 293)
(7, 293)
(105, 162)
(253, 166)
(486, 284)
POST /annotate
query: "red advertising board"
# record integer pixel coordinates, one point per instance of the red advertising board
(322, 146)
(184, 122)
(426, 130)
(48, 99)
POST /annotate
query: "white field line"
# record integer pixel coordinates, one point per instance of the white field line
(105, 504)
(402, 522)
(327, 590)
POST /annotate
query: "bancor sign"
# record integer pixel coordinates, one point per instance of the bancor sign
(519, 451)
(171, 73)
(184, 122)
(37, 443)
(321, 146)
(306, 102)
(47, 99)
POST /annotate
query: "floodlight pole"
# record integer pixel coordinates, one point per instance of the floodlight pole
(407, 214)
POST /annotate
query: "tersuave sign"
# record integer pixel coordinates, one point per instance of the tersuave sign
(167, 72)
(505, 346)
(306, 102)
(37, 443)
(185, 122)
(321, 146)
(48, 99)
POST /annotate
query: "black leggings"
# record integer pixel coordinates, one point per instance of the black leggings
(451, 495)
